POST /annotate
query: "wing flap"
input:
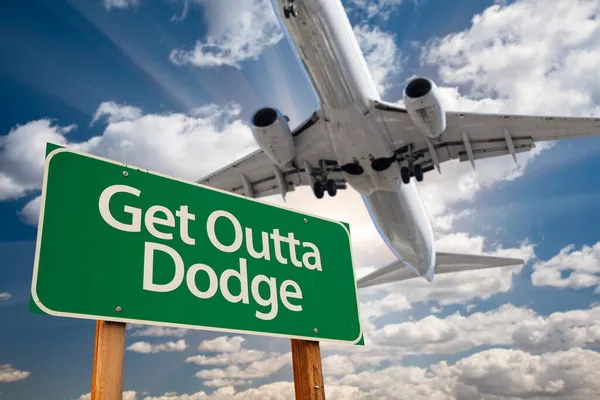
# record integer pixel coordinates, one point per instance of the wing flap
(488, 135)
(445, 263)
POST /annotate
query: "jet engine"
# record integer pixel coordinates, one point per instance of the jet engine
(422, 102)
(272, 132)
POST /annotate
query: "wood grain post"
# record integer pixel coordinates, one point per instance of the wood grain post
(109, 355)
(308, 370)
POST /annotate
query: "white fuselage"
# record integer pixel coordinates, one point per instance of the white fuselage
(326, 44)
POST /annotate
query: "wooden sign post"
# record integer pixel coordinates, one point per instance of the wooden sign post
(109, 354)
(308, 371)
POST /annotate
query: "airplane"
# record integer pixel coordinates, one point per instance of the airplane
(376, 147)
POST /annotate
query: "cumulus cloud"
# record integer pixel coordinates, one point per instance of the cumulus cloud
(10, 374)
(233, 37)
(271, 391)
(170, 143)
(381, 53)
(128, 395)
(22, 156)
(490, 374)
(159, 331)
(499, 57)
(114, 112)
(30, 213)
(376, 308)
(5, 296)
(222, 344)
(148, 348)
(121, 4)
(375, 8)
(225, 382)
(242, 356)
(510, 326)
(582, 268)
(255, 370)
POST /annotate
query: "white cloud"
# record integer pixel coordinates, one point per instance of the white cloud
(116, 113)
(222, 344)
(160, 331)
(233, 37)
(225, 382)
(375, 8)
(271, 391)
(500, 57)
(582, 267)
(128, 395)
(381, 54)
(491, 374)
(338, 365)
(184, 12)
(9, 374)
(255, 370)
(148, 348)
(22, 156)
(121, 4)
(518, 327)
(170, 143)
(242, 356)
(391, 302)
(5, 296)
(30, 214)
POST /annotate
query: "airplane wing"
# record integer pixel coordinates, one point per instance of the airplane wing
(445, 263)
(255, 175)
(475, 136)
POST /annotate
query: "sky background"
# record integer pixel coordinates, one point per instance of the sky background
(169, 85)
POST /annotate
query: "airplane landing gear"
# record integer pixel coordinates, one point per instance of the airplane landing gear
(290, 11)
(413, 169)
(331, 188)
(418, 172)
(321, 183)
(406, 174)
(320, 187)
(318, 190)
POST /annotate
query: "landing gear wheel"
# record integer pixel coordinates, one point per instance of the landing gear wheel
(318, 190)
(331, 188)
(418, 173)
(405, 175)
(290, 11)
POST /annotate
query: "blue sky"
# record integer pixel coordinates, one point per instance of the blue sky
(101, 76)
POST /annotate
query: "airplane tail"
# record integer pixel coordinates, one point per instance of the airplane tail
(445, 263)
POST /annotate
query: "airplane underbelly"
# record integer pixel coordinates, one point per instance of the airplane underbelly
(357, 139)
(402, 223)
(328, 49)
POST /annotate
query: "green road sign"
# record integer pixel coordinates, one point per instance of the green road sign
(119, 243)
